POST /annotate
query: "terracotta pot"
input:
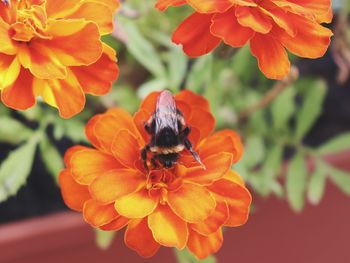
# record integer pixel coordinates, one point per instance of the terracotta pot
(273, 234)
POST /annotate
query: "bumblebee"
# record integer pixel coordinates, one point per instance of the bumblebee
(169, 134)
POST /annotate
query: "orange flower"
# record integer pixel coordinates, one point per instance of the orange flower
(271, 27)
(177, 207)
(53, 49)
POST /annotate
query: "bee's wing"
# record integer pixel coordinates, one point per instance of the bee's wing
(166, 112)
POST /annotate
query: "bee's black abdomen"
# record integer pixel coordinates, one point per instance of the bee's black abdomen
(167, 160)
(167, 138)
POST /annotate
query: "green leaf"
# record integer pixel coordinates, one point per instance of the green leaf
(142, 50)
(255, 151)
(15, 169)
(317, 184)
(340, 178)
(150, 86)
(283, 108)
(184, 256)
(200, 75)
(104, 239)
(177, 67)
(296, 182)
(51, 157)
(273, 161)
(311, 108)
(334, 145)
(12, 131)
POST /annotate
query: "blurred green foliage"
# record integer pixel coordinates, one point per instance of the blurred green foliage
(229, 79)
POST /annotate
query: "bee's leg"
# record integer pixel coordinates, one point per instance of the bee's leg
(154, 161)
(188, 146)
(144, 155)
(186, 131)
(147, 128)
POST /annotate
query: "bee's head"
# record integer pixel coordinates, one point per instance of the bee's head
(166, 137)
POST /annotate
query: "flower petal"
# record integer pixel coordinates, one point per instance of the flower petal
(254, 19)
(125, 148)
(73, 194)
(114, 184)
(136, 205)
(139, 237)
(210, 6)
(71, 151)
(89, 164)
(167, 228)
(213, 223)
(7, 45)
(311, 40)
(204, 246)
(272, 57)
(90, 131)
(216, 167)
(64, 94)
(237, 198)
(41, 61)
(19, 95)
(61, 8)
(117, 224)
(222, 141)
(97, 78)
(192, 99)
(97, 215)
(194, 35)
(9, 70)
(203, 121)
(191, 202)
(67, 38)
(321, 10)
(226, 27)
(108, 125)
(164, 4)
(97, 12)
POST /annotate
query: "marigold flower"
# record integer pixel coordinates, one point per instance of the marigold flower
(270, 26)
(184, 206)
(53, 49)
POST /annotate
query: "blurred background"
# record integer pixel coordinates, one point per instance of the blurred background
(297, 149)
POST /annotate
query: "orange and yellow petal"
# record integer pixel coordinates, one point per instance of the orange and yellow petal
(67, 38)
(195, 36)
(216, 166)
(116, 224)
(139, 237)
(114, 184)
(213, 223)
(204, 246)
(109, 124)
(237, 198)
(210, 6)
(125, 148)
(167, 228)
(86, 165)
(226, 27)
(97, 78)
(20, 94)
(311, 40)
(164, 4)
(223, 141)
(192, 203)
(7, 45)
(72, 150)
(136, 205)
(192, 99)
(74, 194)
(271, 55)
(254, 19)
(97, 214)
(64, 94)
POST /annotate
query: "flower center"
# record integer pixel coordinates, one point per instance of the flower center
(30, 22)
(162, 181)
